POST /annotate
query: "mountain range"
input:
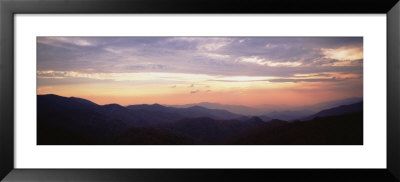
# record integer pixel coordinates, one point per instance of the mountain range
(340, 110)
(71, 120)
(283, 112)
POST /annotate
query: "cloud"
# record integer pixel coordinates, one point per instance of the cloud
(229, 80)
(140, 76)
(333, 79)
(241, 79)
(225, 56)
(217, 56)
(59, 41)
(343, 53)
(194, 91)
(212, 46)
(266, 62)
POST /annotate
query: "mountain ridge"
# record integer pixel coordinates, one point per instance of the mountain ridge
(340, 110)
(69, 121)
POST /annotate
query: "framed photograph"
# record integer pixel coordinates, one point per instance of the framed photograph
(200, 90)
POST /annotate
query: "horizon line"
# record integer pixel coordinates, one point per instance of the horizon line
(173, 105)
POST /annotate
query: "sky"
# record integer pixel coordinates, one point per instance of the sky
(248, 71)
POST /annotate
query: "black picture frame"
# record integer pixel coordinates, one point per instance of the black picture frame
(8, 8)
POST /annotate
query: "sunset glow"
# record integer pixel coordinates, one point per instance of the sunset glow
(248, 71)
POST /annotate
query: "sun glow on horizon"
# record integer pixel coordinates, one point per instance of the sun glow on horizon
(185, 70)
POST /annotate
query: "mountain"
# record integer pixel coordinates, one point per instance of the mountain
(286, 115)
(86, 121)
(283, 112)
(237, 109)
(267, 108)
(343, 109)
(81, 123)
(344, 129)
(190, 112)
(265, 118)
(207, 130)
(304, 112)
(55, 102)
(58, 116)
(138, 117)
(150, 136)
(335, 103)
(76, 121)
(190, 131)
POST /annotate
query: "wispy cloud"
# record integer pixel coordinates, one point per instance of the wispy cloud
(229, 66)
(343, 53)
(267, 56)
(304, 80)
(266, 62)
(65, 41)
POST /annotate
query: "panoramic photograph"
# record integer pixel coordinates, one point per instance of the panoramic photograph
(199, 90)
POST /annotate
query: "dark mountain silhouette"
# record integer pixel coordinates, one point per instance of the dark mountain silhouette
(150, 136)
(238, 109)
(82, 123)
(76, 121)
(95, 123)
(51, 135)
(312, 107)
(55, 102)
(139, 117)
(340, 110)
(244, 118)
(333, 130)
(85, 119)
(335, 103)
(268, 112)
(194, 111)
(153, 107)
(82, 101)
(207, 130)
(265, 109)
(265, 118)
(77, 117)
(286, 115)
